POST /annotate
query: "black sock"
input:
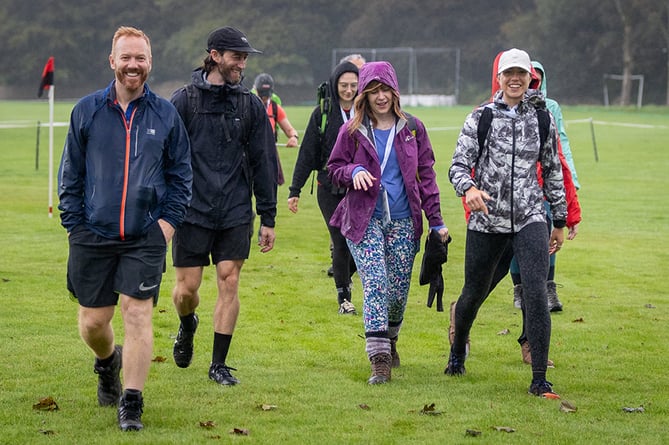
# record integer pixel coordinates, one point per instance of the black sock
(188, 322)
(221, 347)
(132, 394)
(105, 362)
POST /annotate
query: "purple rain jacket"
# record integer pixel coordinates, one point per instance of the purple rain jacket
(414, 155)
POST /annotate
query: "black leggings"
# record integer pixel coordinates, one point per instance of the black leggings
(487, 259)
(343, 266)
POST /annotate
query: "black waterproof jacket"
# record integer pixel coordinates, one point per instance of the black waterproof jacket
(232, 153)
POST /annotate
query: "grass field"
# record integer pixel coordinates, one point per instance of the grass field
(297, 356)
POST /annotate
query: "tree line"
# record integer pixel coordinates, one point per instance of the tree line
(578, 41)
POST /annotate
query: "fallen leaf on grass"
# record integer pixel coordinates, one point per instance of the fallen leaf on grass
(239, 431)
(567, 407)
(503, 332)
(266, 407)
(639, 409)
(578, 320)
(430, 410)
(364, 406)
(506, 429)
(208, 424)
(159, 359)
(649, 306)
(46, 404)
(47, 432)
(472, 433)
(162, 311)
(5, 280)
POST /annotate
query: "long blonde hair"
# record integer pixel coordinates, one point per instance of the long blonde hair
(361, 106)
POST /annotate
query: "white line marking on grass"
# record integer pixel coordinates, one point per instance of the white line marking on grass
(617, 124)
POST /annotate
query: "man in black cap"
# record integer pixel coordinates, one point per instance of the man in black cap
(233, 159)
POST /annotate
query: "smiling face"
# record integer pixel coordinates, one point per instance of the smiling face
(380, 100)
(347, 87)
(513, 83)
(131, 62)
(230, 67)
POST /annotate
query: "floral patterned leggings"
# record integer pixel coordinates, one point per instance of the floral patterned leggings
(384, 258)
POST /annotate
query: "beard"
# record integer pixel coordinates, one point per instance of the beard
(131, 83)
(230, 75)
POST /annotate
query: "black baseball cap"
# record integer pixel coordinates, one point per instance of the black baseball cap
(231, 39)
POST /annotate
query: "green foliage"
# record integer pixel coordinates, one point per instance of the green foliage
(297, 38)
(307, 363)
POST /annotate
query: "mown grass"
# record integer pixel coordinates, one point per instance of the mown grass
(295, 353)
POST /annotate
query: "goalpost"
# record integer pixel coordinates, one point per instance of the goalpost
(637, 77)
(427, 76)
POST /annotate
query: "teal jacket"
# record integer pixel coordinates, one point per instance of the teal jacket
(556, 111)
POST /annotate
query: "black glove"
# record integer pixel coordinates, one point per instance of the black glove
(436, 289)
(435, 254)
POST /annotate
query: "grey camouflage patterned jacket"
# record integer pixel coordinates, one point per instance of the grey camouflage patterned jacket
(507, 168)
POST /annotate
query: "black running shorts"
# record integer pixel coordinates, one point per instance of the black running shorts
(194, 246)
(99, 269)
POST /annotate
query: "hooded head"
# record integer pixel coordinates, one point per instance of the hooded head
(381, 72)
(339, 70)
(539, 68)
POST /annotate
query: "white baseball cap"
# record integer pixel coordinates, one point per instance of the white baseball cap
(514, 58)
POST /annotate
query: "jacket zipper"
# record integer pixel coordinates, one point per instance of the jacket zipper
(126, 170)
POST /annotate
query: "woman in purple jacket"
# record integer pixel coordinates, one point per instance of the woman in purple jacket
(388, 170)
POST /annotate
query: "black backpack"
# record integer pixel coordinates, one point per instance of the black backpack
(486, 120)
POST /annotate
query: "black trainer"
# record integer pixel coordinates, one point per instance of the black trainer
(220, 373)
(109, 379)
(183, 346)
(543, 388)
(130, 410)
(456, 366)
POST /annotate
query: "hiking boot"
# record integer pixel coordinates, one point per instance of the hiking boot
(381, 364)
(220, 373)
(347, 308)
(517, 295)
(130, 410)
(451, 329)
(394, 356)
(554, 304)
(542, 388)
(456, 366)
(183, 345)
(109, 379)
(526, 353)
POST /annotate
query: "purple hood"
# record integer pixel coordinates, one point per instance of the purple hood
(380, 71)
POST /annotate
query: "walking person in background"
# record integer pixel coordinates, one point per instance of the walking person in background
(506, 201)
(314, 153)
(554, 304)
(234, 159)
(355, 59)
(264, 87)
(124, 184)
(383, 157)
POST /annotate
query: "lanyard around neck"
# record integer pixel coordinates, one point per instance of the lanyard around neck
(389, 146)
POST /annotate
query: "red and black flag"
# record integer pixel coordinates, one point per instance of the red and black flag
(47, 77)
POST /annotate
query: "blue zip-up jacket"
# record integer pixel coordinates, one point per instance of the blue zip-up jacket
(119, 178)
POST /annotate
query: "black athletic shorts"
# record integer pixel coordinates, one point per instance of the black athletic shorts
(194, 246)
(99, 269)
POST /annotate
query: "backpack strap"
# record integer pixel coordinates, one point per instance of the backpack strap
(544, 125)
(484, 126)
(275, 115)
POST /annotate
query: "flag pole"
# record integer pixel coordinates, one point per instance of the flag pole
(51, 94)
